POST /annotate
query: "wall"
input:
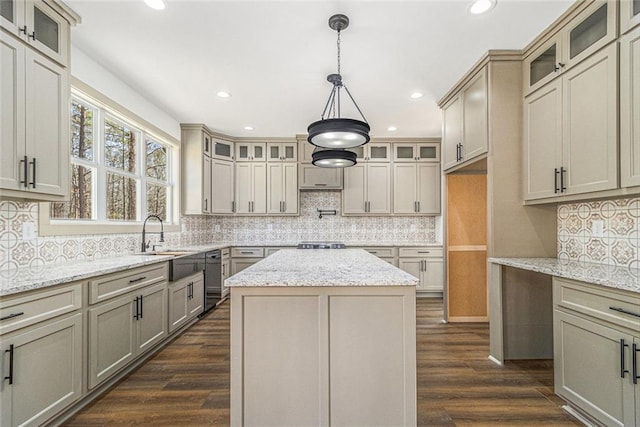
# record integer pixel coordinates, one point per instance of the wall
(620, 240)
(43, 250)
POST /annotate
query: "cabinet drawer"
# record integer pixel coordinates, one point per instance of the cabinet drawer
(247, 252)
(24, 311)
(421, 252)
(618, 307)
(225, 252)
(106, 287)
(381, 252)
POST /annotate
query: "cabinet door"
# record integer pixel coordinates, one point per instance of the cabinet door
(177, 304)
(222, 150)
(206, 184)
(475, 129)
(47, 371)
(290, 188)
(629, 14)
(195, 304)
(404, 152)
(207, 144)
(280, 151)
(405, 188)
(222, 186)
(543, 141)
(428, 152)
(354, 193)
(111, 338)
(239, 264)
(12, 16)
(243, 152)
(428, 191)
(379, 188)
(259, 175)
(275, 185)
(313, 177)
(433, 275)
(47, 31)
(451, 132)
(590, 127)
(378, 152)
(630, 108)
(412, 266)
(543, 65)
(587, 369)
(244, 187)
(12, 96)
(151, 327)
(590, 31)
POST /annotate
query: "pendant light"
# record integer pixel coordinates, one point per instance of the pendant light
(333, 132)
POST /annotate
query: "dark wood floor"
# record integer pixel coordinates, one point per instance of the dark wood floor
(187, 383)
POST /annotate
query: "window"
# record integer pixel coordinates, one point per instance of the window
(120, 172)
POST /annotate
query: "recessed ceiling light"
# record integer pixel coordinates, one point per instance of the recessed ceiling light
(223, 94)
(416, 95)
(248, 128)
(155, 4)
(481, 6)
(392, 128)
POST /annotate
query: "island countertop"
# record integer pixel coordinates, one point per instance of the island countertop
(321, 267)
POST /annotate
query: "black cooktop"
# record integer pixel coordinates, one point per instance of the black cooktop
(321, 245)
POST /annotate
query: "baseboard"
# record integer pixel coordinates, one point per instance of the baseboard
(575, 413)
(494, 360)
(468, 319)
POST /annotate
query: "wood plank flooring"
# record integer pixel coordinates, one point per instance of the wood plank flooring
(187, 383)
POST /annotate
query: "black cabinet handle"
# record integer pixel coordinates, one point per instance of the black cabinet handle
(10, 376)
(25, 172)
(33, 163)
(141, 306)
(634, 363)
(137, 315)
(22, 29)
(418, 206)
(139, 279)
(556, 172)
(320, 185)
(562, 187)
(11, 316)
(32, 35)
(424, 252)
(622, 361)
(622, 310)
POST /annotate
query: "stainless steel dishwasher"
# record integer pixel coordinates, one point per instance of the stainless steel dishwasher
(212, 279)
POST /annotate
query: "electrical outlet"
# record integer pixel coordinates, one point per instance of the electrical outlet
(28, 231)
(597, 228)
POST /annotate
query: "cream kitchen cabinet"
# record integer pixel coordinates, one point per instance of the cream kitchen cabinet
(186, 300)
(243, 257)
(282, 188)
(282, 152)
(41, 347)
(225, 270)
(388, 254)
(367, 189)
(123, 327)
(571, 130)
(196, 178)
(35, 124)
(223, 150)
(251, 188)
(416, 188)
(427, 264)
(222, 187)
(465, 129)
(592, 29)
(596, 350)
(373, 152)
(416, 152)
(314, 178)
(629, 14)
(630, 108)
(251, 151)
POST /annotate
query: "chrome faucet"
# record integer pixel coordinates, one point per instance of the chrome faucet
(145, 244)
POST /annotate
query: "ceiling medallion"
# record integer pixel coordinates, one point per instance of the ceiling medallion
(333, 132)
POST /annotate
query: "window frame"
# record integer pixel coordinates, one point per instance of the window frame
(105, 108)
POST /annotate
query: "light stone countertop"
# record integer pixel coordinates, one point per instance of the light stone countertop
(624, 278)
(321, 267)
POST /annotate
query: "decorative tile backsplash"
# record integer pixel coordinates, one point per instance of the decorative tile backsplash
(42, 250)
(603, 232)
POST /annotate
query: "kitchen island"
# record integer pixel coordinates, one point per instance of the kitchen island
(323, 337)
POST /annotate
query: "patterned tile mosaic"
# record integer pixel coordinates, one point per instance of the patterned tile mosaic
(16, 252)
(602, 232)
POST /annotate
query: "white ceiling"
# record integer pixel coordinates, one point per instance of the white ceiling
(274, 56)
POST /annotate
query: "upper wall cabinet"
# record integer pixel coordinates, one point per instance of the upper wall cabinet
(282, 151)
(630, 108)
(629, 14)
(591, 30)
(196, 170)
(465, 129)
(418, 152)
(311, 177)
(222, 150)
(39, 25)
(251, 151)
(373, 152)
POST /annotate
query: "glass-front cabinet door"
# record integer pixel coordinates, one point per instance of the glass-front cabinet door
(594, 28)
(629, 15)
(378, 152)
(282, 152)
(251, 151)
(47, 31)
(428, 152)
(543, 65)
(12, 15)
(222, 150)
(404, 152)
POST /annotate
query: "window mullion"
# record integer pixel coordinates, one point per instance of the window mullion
(101, 191)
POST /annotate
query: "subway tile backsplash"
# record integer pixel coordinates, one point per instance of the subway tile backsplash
(42, 250)
(603, 232)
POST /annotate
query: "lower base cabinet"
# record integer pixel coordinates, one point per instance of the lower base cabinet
(426, 264)
(42, 371)
(123, 328)
(186, 300)
(597, 351)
